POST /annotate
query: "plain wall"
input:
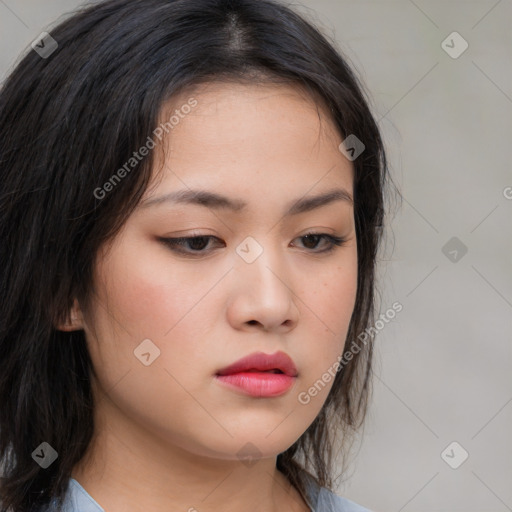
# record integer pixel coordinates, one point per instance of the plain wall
(443, 364)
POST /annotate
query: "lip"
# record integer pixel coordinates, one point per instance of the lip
(251, 375)
(263, 362)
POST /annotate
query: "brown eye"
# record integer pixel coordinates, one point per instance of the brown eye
(312, 240)
(196, 245)
(188, 245)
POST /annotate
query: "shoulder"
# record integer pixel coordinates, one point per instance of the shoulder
(77, 499)
(321, 499)
(330, 502)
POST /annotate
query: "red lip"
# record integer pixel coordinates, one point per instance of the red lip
(262, 362)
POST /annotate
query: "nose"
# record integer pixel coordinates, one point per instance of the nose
(262, 294)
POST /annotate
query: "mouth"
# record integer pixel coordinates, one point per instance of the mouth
(258, 384)
(266, 371)
(260, 375)
(254, 370)
(259, 362)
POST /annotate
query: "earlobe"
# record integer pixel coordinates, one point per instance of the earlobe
(75, 319)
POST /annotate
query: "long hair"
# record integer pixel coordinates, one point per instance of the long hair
(69, 120)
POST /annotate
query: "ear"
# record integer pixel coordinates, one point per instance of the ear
(75, 319)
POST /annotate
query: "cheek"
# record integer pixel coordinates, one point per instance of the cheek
(148, 292)
(330, 308)
(333, 298)
(149, 297)
(147, 300)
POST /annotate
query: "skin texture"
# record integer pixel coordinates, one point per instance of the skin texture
(167, 434)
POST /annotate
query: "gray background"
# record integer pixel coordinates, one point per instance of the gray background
(443, 365)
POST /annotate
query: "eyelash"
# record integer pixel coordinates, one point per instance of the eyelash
(172, 243)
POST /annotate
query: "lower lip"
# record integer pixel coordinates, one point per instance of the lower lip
(261, 384)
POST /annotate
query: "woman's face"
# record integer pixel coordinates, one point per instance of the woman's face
(257, 285)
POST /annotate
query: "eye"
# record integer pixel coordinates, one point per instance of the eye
(195, 245)
(331, 240)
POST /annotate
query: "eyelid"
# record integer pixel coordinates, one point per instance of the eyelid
(333, 240)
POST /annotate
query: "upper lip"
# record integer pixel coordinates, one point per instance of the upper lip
(263, 362)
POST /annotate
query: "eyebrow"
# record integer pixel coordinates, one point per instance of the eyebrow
(217, 201)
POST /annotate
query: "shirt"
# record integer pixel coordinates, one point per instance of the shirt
(319, 499)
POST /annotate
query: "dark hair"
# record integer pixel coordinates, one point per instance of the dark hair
(68, 122)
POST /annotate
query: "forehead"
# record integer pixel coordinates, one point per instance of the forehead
(229, 89)
(249, 137)
(241, 108)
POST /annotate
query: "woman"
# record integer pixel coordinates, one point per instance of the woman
(192, 205)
